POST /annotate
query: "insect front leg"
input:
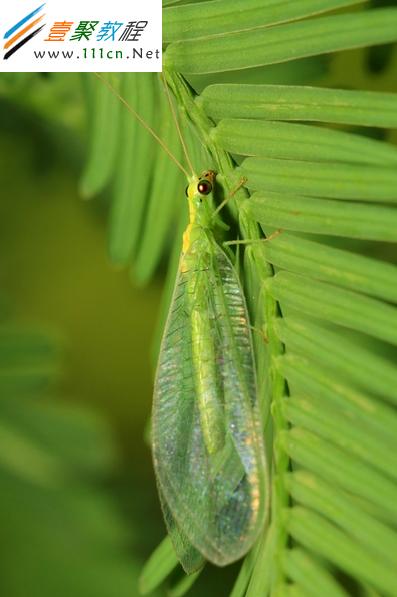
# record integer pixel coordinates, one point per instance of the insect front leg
(247, 241)
(232, 193)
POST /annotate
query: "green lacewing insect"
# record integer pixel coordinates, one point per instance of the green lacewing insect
(208, 448)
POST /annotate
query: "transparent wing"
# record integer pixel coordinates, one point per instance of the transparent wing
(207, 442)
(189, 557)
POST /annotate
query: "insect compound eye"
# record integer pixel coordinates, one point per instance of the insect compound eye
(204, 187)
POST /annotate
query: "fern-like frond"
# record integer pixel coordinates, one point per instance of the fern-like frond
(320, 289)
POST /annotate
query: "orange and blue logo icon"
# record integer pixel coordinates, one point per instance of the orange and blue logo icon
(23, 31)
(80, 36)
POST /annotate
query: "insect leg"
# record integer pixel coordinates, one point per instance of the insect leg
(248, 241)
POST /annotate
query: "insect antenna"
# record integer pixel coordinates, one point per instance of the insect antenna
(178, 128)
(144, 124)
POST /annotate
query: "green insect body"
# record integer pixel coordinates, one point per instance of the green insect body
(208, 447)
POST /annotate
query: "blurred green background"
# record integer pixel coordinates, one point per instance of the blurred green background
(79, 512)
(55, 276)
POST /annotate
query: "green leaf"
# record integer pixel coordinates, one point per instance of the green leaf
(317, 179)
(300, 142)
(132, 181)
(184, 585)
(314, 579)
(324, 216)
(316, 494)
(187, 22)
(340, 354)
(105, 121)
(260, 581)
(319, 535)
(160, 564)
(163, 200)
(331, 303)
(282, 43)
(358, 439)
(344, 268)
(320, 456)
(294, 102)
(319, 383)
